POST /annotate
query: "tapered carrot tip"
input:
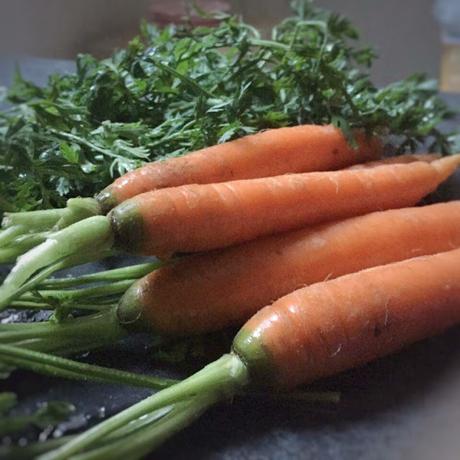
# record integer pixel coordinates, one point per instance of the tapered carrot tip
(127, 225)
(447, 164)
(107, 199)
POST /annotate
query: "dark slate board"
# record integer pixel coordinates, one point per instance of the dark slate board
(406, 406)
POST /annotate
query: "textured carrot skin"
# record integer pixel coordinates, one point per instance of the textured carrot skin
(336, 325)
(268, 153)
(210, 291)
(195, 218)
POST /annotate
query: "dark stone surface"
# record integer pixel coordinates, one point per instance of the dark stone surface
(406, 406)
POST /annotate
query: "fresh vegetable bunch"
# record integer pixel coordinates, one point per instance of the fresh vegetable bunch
(310, 215)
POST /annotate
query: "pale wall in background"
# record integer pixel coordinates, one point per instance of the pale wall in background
(62, 28)
(403, 31)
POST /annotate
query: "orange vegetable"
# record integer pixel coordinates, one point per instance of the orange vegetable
(194, 218)
(343, 323)
(268, 153)
(210, 291)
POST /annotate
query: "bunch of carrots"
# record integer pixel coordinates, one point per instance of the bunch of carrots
(314, 243)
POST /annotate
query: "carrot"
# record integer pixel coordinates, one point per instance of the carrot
(194, 218)
(311, 333)
(210, 291)
(330, 327)
(197, 218)
(268, 153)
(24, 230)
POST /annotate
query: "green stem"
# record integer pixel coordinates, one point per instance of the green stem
(218, 380)
(44, 363)
(20, 245)
(10, 233)
(78, 209)
(34, 220)
(29, 305)
(268, 44)
(117, 287)
(25, 230)
(116, 274)
(70, 261)
(56, 366)
(92, 330)
(82, 240)
(141, 442)
(184, 78)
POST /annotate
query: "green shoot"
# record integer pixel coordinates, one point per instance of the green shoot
(79, 243)
(116, 274)
(24, 230)
(184, 402)
(56, 366)
(66, 336)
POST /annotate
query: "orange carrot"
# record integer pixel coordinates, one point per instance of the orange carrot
(194, 218)
(268, 153)
(210, 291)
(332, 326)
(311, 333)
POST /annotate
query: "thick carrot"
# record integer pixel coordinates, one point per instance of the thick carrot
(311, 333)
(268, 153)
(343, 323)
(195, 218)
(210, 291)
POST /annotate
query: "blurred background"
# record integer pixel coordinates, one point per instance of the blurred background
(410, 36)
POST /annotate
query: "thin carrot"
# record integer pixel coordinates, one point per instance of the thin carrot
(197, 218)
(311, 333)
(210, 291)
(16, 238)
(194, 218)
(268, 153)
